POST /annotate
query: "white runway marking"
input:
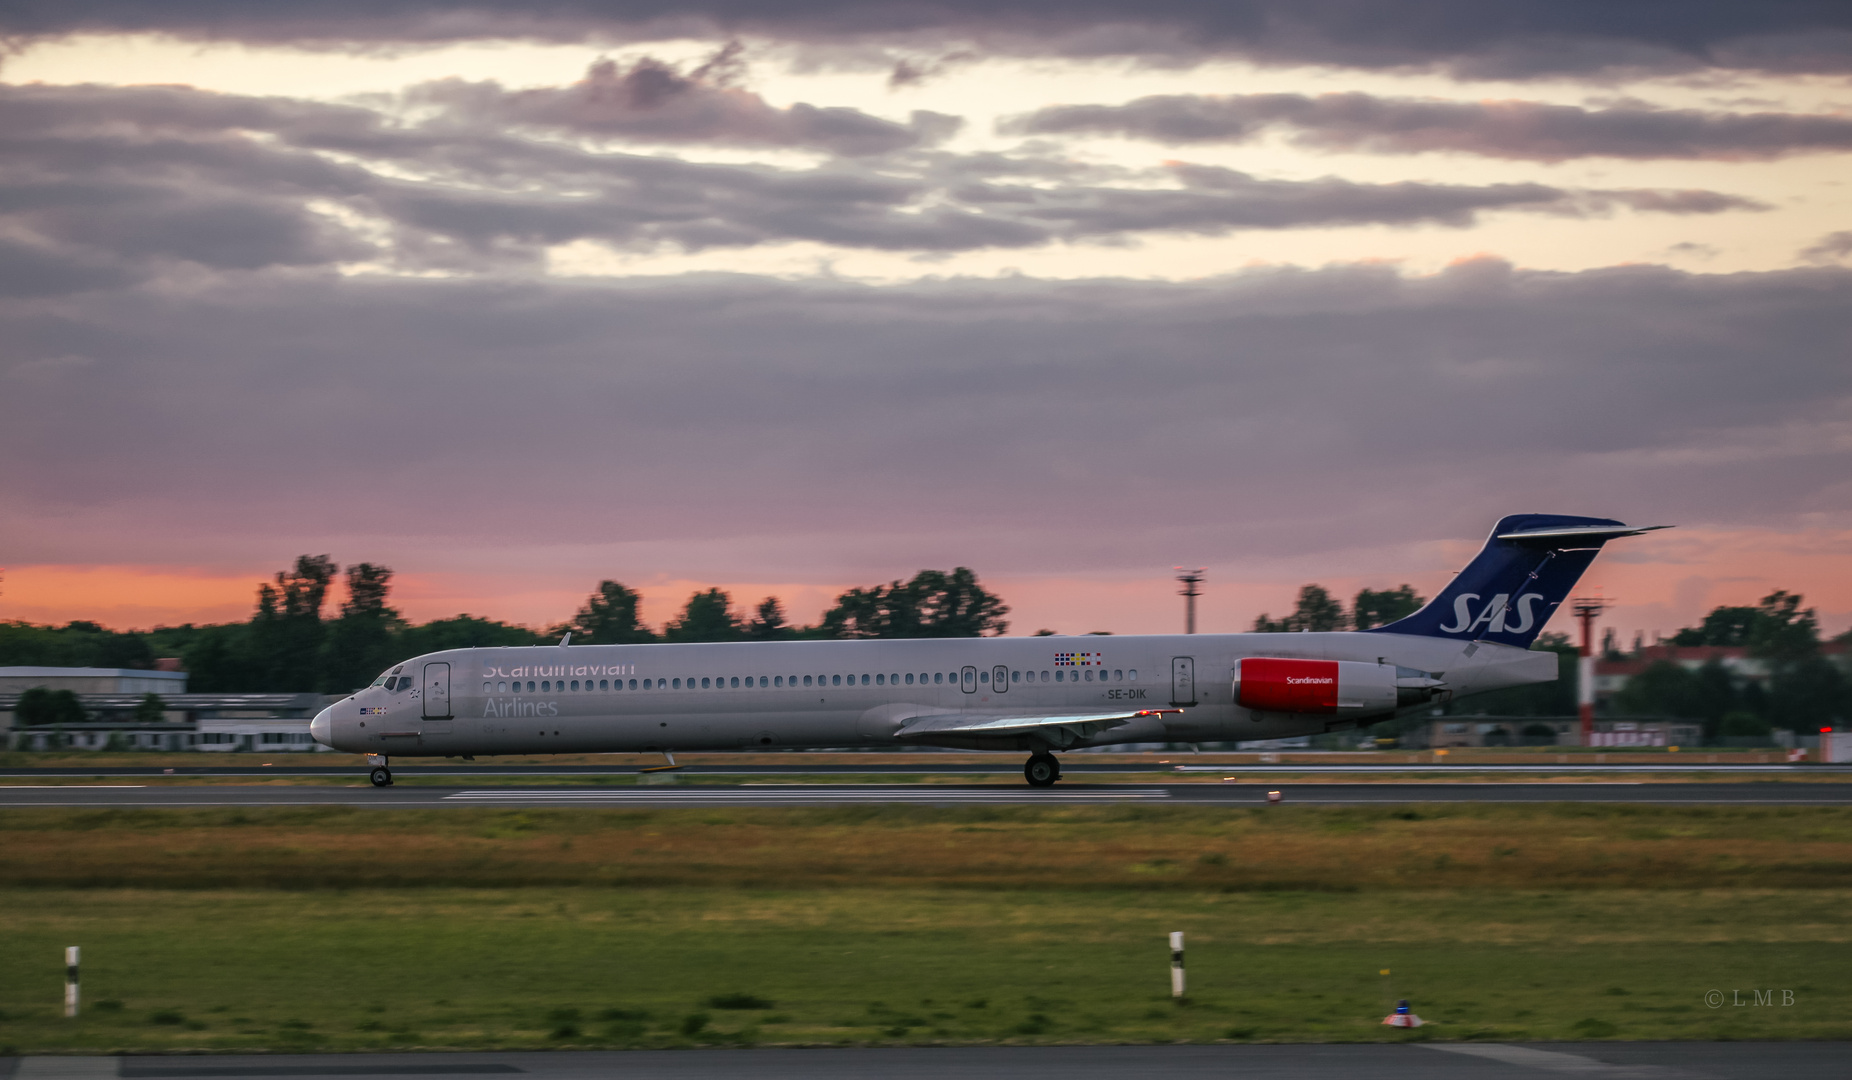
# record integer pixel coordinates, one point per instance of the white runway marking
(1556, 1061)
(763, 795)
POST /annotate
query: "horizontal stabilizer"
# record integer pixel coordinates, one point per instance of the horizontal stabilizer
(1587, 534)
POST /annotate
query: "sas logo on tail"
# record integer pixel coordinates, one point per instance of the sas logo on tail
(1496, 617)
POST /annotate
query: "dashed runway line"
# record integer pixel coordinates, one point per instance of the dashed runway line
(762, 795)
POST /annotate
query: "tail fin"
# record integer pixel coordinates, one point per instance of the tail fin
(1517, 581)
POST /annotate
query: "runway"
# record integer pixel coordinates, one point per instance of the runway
(1075, 765)
(1409, 1061)
(1238, 795)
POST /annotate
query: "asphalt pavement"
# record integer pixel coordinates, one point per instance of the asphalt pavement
(1243, 794)
(1408, 1061)
(1003, 765)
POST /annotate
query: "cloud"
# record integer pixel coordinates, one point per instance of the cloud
(106, 185)
(1527, 130)
(651, 101)
(1517, 39)
(1018, 425)
(1829, 248)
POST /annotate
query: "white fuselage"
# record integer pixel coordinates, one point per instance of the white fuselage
(744, 695)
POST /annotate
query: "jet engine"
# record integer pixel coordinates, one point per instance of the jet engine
(1329, 687)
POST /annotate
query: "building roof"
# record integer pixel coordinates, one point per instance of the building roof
(89, 673)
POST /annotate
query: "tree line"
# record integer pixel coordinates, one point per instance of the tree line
(293, 644)
(1804, 692)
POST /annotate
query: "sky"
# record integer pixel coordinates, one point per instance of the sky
(794, 296)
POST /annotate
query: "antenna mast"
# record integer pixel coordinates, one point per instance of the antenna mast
(1189, 592)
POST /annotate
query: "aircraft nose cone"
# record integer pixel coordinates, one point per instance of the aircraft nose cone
(321, 729)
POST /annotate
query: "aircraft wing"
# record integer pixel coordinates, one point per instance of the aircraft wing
(979, 725)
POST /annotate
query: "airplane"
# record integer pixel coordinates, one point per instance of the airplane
(1038, 694)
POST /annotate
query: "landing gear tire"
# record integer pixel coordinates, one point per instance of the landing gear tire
(1042, 770)
(382, 777)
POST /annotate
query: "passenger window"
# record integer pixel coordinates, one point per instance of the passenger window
(864, 680)
(1060, 676)
(633, 683)
(678, 684)
(575, 684)
(806, 680)
(1131, 675)
(836, 680)
(938, 677)
(1044, 676)
(909, 678)
(501, 688)
(1118, 675)
(983, 676)
(1089, 674)
(1015, 676)
(880, 680)
(778, 680)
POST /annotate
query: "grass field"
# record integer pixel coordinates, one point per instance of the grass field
(331, 929)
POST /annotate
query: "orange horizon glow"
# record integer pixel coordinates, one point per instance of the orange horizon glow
(1658, 590)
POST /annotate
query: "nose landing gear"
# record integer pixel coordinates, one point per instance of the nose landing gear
(1041, 770)
(381, 776)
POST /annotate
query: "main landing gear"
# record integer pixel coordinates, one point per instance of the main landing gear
(381, 776)
(1042, 770)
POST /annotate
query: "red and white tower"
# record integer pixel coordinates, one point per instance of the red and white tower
(1586, 609)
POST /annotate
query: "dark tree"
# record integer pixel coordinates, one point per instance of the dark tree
(768, 622)
(1665, 688)
(1723, 626)
(360, 643)
(933, 604)
(76, 644)
(286, 634)
(150, 710)
(1316, 611)
(39, 706)
(1375, 607)
(1809, 694)
(1784, 633)
(463, 632)
(609, 617)
(708, 616)
(1776, 629)
(220, 660)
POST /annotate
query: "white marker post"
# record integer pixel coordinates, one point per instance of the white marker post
(70, 980)
(1176, 963)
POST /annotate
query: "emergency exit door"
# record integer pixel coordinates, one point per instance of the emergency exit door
(436, 691)
(1183, 680)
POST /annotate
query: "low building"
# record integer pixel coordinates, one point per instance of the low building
(1451, 732)
(112, 697)
(92, 680)
(1482, 731)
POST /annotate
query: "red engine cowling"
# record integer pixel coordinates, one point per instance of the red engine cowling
(1329, 687)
